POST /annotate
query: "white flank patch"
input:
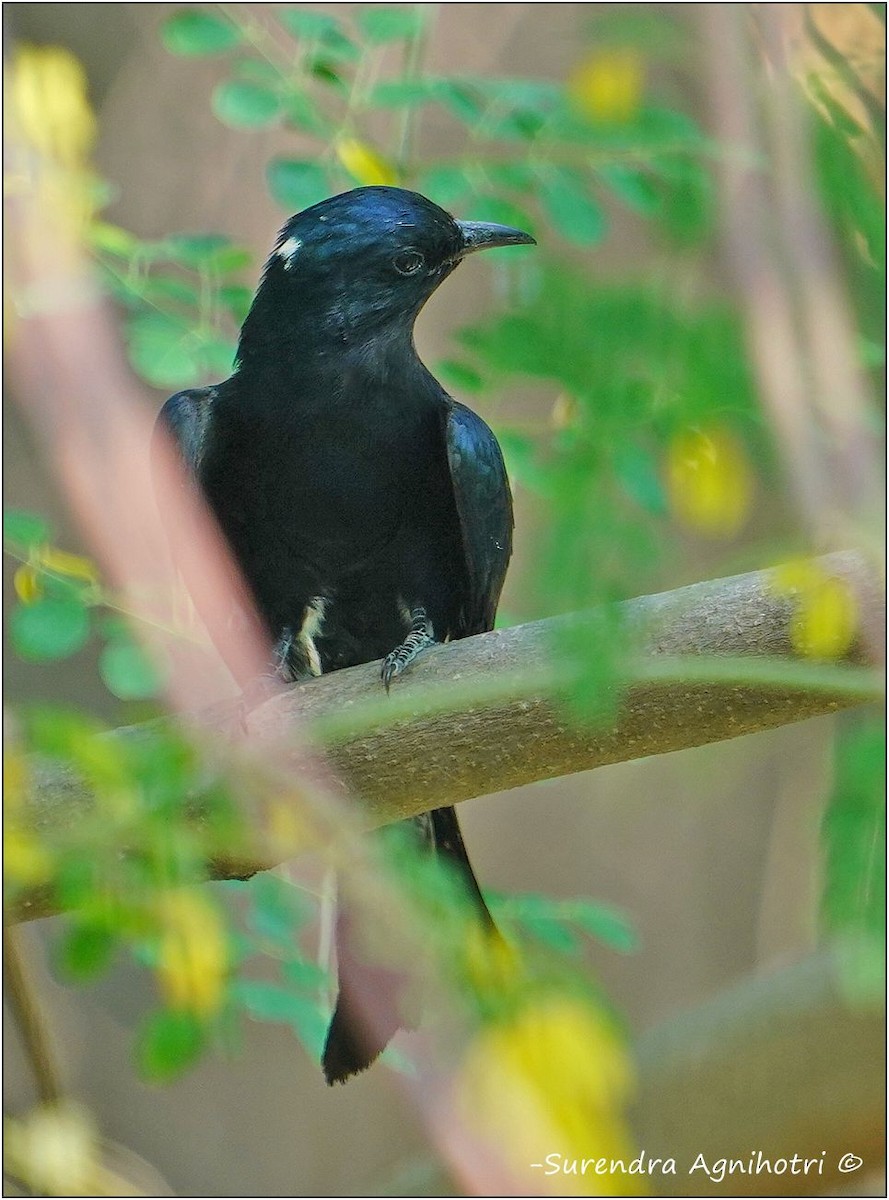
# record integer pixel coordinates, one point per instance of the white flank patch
(287, 250)
(311, 627)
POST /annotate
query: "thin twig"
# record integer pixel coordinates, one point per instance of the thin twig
(22, 997)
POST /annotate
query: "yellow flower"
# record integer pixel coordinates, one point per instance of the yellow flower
(553, 1078)
(63, 563)
(608, 86)
(364, 164)
(51, 130)
(825, 618)
(288, 831)
(826, 621)
(709, 481)
(796, 575)
(25, 861)
(46, 96)
(26, 582)
(493, 965)
(193, 960)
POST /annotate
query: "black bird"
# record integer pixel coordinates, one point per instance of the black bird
(369, 512)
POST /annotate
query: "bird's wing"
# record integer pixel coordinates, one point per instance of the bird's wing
(484, 505)
(186, 419)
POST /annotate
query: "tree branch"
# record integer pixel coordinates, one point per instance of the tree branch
(524, 734)
(712, 661)
(785, 1063)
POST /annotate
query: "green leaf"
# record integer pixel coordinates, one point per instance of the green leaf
(49, 629)
(861, 963)
(337, 45)
(320, 28)
(127, 671)
(231, 258)
(196, 249)
(550, 920)
(461, 99)
(632, 187)
(25, 528)
(85, 950)
(514, 344)
(516, 175)
(168, 1043)
(460, 375)
(163, 349)
(322, 70)
(402, 93)
(160, 288)
(552, 932)
(538, 916)
(445, 185)
(520, 456)
(66, 587)
(57, 732)
(607, 924)
(383, 24)
(76, 881)
(309, 1022)
(267, 1001)
(301, 112)
(296, 184)
(854, 833)
(305, 23)
(685, 198)
(640, 478)
(304, 973)
(111, 239)
(592, 648)
(279, 909)
(517, 108)
(246, 105)
(194, 32)
(217, 355)
(573, 211)
(237, 299)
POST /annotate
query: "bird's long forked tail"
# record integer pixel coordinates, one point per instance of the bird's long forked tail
(371, 997)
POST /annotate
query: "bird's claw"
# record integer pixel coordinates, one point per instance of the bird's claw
(393, 664)
(418, 640)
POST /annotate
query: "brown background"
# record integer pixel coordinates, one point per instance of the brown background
(712, 852)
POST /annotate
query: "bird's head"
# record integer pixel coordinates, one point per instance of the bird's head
(365, 262)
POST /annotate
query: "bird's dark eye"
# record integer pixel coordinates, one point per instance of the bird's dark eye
(408, 262)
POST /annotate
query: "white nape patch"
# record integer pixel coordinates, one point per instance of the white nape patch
(313, 618)
(288, 250)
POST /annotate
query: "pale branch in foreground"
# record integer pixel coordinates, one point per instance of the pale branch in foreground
(785, 1063)
(710, 661)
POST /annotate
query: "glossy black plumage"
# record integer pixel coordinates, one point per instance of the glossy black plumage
(369, 512)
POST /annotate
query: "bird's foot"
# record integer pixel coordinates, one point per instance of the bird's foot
(419, 639)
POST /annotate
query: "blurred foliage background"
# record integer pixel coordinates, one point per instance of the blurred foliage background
(617, 365)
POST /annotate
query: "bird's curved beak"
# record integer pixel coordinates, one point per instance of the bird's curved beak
(482, 235)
